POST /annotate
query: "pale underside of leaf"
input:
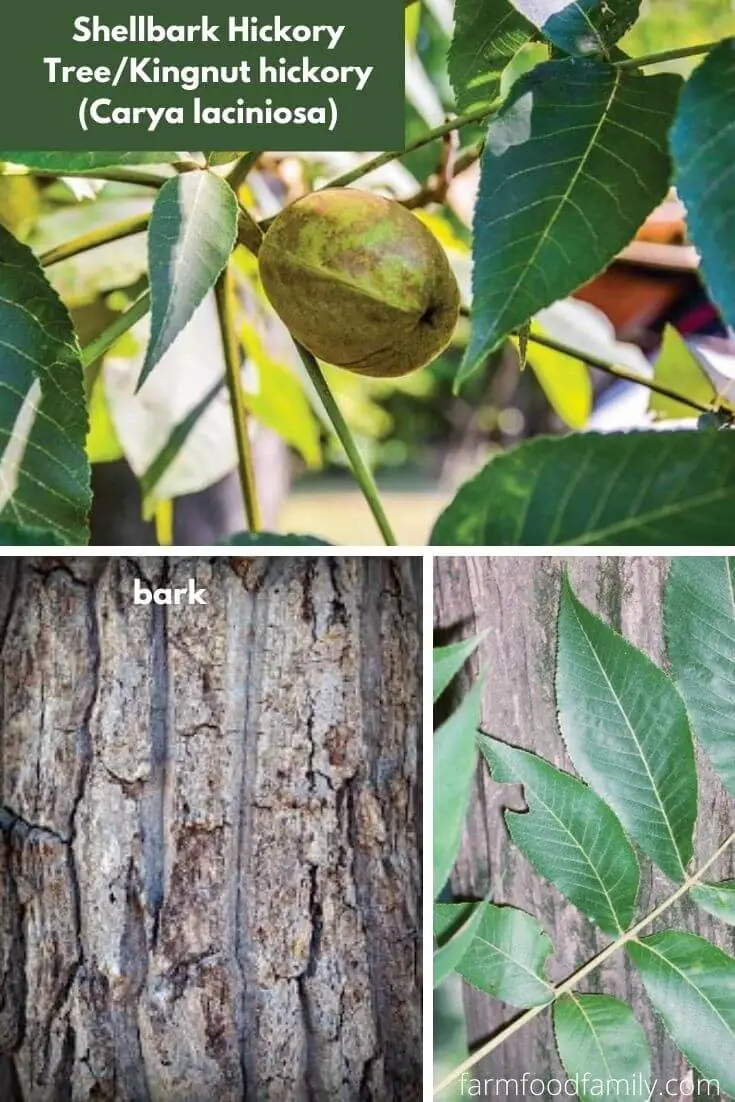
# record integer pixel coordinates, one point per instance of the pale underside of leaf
(644, 488)
(582, 26)
(717, 899)
(191, 235)
(627, 733)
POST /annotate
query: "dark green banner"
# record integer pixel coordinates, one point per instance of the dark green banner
(285, 75)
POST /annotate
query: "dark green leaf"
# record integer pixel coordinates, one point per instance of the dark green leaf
(570, 836)
(455, 926)
(703, 145)
(584, 26)
(54, 161)
(645, 488)
(627, 733)
(270, 539)
(600, 1041)
(13, 535)
(700, 628)
(716, 899)
(191, 235)
(448, 661)
(692, 986)
(44, 472)
(455, 760)
(486, 38)
(573, 163)
(507, 957)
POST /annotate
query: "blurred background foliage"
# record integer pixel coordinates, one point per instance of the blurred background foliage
(421, 440)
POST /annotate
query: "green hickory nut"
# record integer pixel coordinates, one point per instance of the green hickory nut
(360, 282)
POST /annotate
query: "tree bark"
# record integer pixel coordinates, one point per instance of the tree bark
(517, 600)
(210, 867)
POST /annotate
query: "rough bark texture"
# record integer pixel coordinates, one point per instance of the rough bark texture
(517, 599)
(210, 866)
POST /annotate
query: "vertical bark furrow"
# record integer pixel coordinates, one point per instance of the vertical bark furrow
(219, 894)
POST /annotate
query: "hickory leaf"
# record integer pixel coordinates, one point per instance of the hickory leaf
(703, 147)
(600, 1040)
(455, 926)
(716, 899)
(449, 660)
(486, 38)
(700, 629)
(44, 471)
(645, 488)
(573, 164)
(455, 760)
(191, 235)
(507, 956)
(570, 836)
(627, 733)
(584, 26)
(691, 984)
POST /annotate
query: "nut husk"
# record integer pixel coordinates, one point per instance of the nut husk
(360, 282)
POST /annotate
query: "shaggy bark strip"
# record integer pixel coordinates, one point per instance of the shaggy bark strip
(210, 861)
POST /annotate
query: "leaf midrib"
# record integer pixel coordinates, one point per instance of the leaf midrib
(674, 968)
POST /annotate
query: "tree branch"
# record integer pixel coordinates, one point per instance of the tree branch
(573, 980)
(92, 240)
(117, 329)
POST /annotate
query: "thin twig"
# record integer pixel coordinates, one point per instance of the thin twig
(233, 369)
(665, 55)
(573, 980)
(117, 329)
(238, 175)
(92, 240)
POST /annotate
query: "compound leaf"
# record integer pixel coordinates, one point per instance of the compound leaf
(507, 956)
(570, 836)
(703, 147)
(627, 733)
(644, 488)
(691, 984)
(486, 38)
(576, 138)
(191, 235)
(700, 629)
(600, 1041)
(449, 660)
(455, 760)
(44, 471)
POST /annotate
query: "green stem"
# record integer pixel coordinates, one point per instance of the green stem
(341, 428)
(572, 981)
(233, 368)
(361, 170)
(114, 232)
(109, 175)
(237, 175)
(612, 369)
(120, 326)
(665, 55)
